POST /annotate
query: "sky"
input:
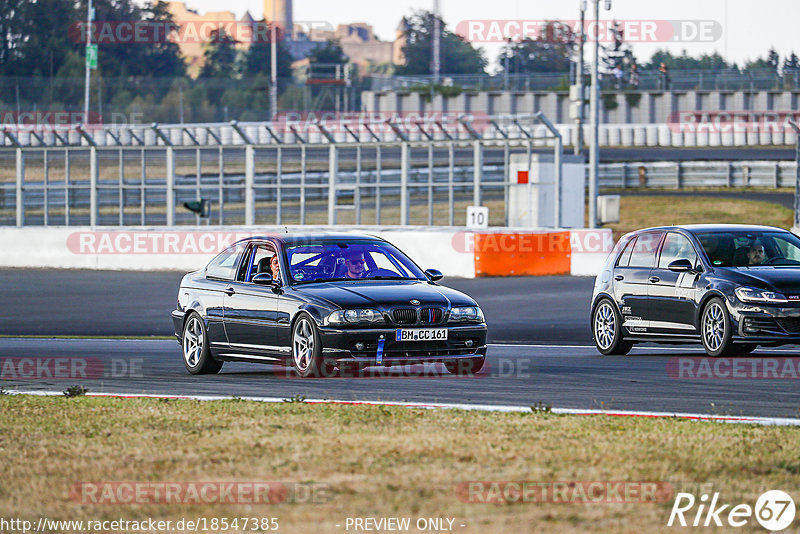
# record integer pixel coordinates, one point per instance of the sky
(747, 29)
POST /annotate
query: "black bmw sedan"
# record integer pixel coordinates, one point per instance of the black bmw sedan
(729, 287)
(321, 302)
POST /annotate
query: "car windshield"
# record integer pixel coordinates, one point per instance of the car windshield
(349, 260)
(751, 248)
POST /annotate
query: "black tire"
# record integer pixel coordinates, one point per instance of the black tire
(196, 352)
(716, 330)
(607, 330)
(463, 367)
(307, 349)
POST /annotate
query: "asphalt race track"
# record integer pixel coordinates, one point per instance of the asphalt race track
(550, 361)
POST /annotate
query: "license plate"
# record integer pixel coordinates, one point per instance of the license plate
(421, 334)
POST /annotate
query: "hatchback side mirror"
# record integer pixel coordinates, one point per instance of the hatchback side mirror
(433, 274)
(265, 279)
(681, 266)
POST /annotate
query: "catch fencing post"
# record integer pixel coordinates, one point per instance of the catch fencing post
(333, 169)
(249, 176)
(404, 163)
(170, 178)
(557, 160)
(93, 173)
(20, 177)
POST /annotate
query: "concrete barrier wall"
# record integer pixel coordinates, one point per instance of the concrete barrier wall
(456, 252)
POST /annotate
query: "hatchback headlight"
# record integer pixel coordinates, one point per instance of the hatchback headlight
(751, 294)
(466, 313)
(345, 317)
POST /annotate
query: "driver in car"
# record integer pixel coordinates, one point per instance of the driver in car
(275, 266)
(756, 255)
(354, 261)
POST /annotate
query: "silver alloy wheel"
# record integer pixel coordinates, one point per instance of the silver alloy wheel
(303, 344)
(604, 325)
(714, 326)
(192, 341)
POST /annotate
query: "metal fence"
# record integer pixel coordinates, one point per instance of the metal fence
(428, 182)
(379, 183)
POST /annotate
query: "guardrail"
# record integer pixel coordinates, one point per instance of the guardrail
(649, 80)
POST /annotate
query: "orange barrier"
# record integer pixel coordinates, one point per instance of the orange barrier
(498, 254)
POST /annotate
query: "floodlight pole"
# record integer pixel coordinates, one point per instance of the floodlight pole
(797, 174)
(582, 37)
(86, 91)
(273, 86)
(594, 152)
(437, 39)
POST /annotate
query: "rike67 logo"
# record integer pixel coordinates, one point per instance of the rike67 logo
(774, 510)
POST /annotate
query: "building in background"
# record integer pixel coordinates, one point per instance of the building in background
(357, 39)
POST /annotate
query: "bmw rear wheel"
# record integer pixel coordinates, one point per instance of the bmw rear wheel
(607, 330)
(196, 353)
(715, 329)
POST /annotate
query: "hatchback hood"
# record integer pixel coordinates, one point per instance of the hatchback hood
(784, 280)
(386, 293)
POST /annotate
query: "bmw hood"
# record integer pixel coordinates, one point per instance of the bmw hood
(386, 293)
(784, 280)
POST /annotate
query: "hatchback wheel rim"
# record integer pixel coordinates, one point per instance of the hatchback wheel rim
(192, 342)
(714, 326)
(303, 344)
(604, 326)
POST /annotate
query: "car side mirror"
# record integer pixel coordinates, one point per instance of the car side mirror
(433, 274)
(265, 279)
(681, 266)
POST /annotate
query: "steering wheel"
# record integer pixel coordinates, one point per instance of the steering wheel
(772, 260)
(380, 272)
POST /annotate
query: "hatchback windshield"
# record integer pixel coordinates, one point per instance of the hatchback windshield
(751, 249)
(349, 260)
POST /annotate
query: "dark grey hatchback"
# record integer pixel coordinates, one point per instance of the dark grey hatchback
(729, 287)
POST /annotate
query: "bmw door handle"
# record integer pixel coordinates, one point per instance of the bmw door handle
(619, 278)
(655, 279)
(230, 291)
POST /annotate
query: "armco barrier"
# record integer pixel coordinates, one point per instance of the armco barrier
(457, 252)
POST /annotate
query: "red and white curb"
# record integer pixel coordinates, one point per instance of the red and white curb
(765, 421)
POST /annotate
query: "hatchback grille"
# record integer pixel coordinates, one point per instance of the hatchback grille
(790, 324)
(405, 316)
(431, 315)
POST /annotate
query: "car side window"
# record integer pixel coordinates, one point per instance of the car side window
(259, 262)
(676, 247)
(625, 257)
(644, 252)
(224, 265)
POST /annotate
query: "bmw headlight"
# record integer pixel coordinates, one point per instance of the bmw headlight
(466, 314)
(353, 317)
(751, 294)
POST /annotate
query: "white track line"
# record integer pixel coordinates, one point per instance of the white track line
(765, 421)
